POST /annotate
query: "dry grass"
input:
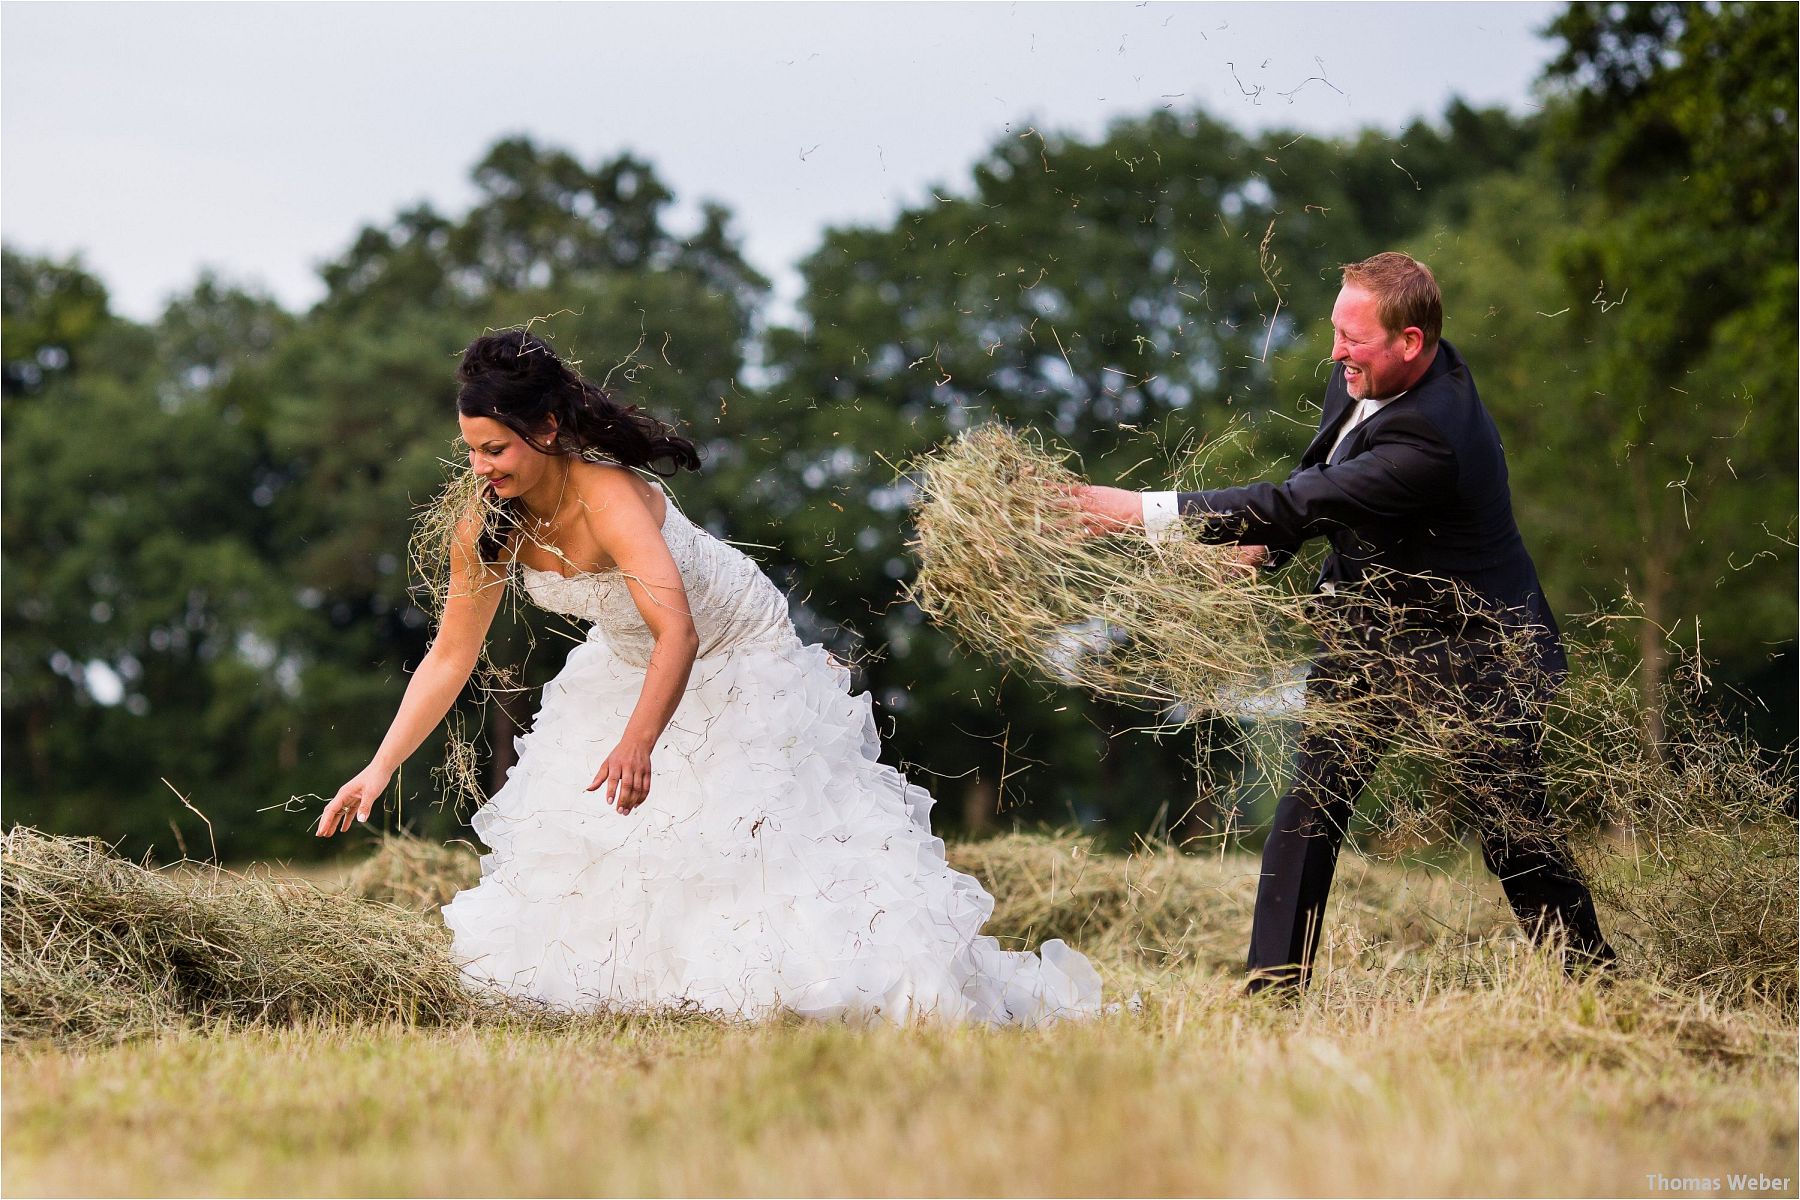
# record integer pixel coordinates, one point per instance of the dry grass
(1435, 1054)
(1001, 567)
(1143, 915)
(1525, 1086)
(414, 873)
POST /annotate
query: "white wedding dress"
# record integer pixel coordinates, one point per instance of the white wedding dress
(776, 865)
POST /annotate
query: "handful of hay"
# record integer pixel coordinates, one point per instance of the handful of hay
(1005, 567)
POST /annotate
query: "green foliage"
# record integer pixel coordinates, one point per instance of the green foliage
(205, 517)
(142, 638)
(52, 312)
(1634, 325)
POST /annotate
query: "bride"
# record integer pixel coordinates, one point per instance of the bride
(697, 817)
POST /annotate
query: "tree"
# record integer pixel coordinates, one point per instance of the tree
(1676, 123)
(52, 313)
(138, 645)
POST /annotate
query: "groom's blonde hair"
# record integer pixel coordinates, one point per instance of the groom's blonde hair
(1406, 293)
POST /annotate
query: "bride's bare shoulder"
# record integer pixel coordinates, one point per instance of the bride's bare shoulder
(602, 486)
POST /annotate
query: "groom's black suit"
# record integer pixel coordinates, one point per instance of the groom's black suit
(1436, 603)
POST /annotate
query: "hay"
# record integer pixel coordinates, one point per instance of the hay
(438, 525)
(98, 948)
(1689, 843)
(413, 873)
(1003, 568)
(1158, 909)
(1178, 625)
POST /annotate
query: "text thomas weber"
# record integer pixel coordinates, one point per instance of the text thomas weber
(1731, 1181)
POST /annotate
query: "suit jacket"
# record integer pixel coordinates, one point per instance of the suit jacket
(1417, 498)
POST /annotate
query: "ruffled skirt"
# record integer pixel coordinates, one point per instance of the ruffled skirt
(777, 865)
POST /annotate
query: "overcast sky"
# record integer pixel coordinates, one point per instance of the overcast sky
(156, 139)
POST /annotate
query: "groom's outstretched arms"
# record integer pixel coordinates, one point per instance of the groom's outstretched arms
(1115, 510)
(1409, 471)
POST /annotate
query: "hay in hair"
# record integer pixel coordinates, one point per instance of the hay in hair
(464, 512)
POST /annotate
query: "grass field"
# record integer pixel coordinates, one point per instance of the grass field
(1435, 1055)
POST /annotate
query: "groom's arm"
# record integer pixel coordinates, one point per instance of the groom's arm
(1408, 470)
(1162, 513)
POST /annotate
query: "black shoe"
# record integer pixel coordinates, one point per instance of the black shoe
(1600, 964)
(1283, 985)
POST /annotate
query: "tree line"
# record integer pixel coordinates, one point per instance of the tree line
(207, 594)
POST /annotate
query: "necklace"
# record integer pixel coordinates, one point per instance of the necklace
(544, 523)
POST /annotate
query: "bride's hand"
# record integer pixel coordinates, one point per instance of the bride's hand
(353, 802)
(626, 776)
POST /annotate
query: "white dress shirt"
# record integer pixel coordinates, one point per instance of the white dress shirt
(1162, 509)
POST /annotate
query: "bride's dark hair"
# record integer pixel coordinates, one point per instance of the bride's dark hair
(515, 378)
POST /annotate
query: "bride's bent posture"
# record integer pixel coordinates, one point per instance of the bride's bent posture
(697, 817)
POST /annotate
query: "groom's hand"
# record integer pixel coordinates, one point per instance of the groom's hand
(1249, 558)
(1107, 509)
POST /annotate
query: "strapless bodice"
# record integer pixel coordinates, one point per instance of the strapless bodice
(733, 603)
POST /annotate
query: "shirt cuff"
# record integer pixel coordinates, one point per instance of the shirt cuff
(1162, 512)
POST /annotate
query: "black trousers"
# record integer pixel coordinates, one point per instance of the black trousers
(1394, 682)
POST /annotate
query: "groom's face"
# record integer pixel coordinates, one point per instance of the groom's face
(1376, 363)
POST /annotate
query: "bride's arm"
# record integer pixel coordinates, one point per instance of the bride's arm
(628, 532)
(474, 597)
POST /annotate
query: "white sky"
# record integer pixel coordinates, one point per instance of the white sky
(256, 138)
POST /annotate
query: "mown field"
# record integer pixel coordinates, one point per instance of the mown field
(1436, 1055)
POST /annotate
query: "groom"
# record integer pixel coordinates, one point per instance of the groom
(1431, 593)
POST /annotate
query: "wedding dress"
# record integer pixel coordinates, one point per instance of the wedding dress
(776, 864)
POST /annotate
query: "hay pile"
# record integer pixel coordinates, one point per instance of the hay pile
(1695, 907)
(99, 948)
(413, 873)
(1158, 909)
